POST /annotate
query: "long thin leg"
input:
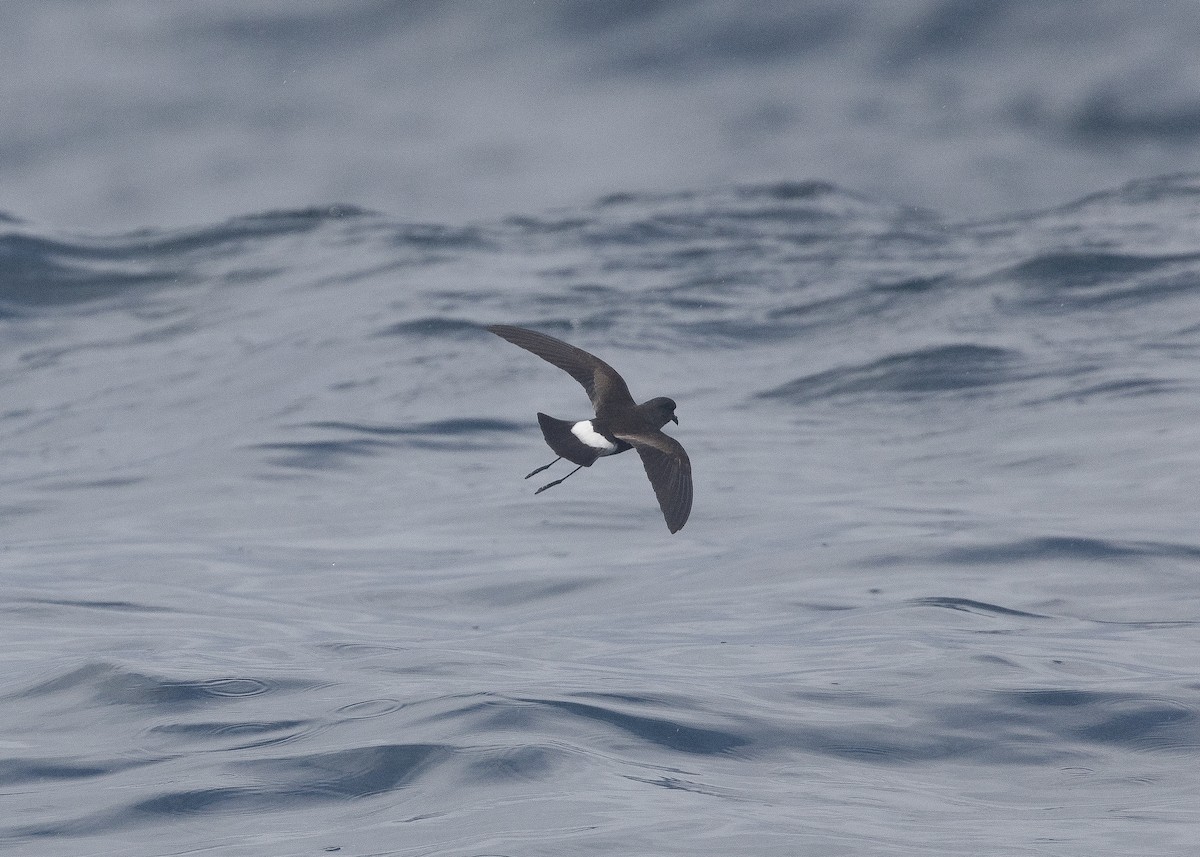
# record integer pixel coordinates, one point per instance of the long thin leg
(540, 469)
(556, 481)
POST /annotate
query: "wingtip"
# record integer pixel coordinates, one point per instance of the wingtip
(502, 329)
(678, 515)
(677, 524)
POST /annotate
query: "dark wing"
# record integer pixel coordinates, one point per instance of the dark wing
(670, 473)
(604, 386)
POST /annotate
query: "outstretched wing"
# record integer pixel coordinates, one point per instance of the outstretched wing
(670, 473)
(604, 386)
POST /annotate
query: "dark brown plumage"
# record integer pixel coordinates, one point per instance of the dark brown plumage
(619, 424)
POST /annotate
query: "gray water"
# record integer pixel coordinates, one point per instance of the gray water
(122, 114)
(274, 583)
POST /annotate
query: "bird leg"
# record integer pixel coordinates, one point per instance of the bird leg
(543, 467)
(556, 481)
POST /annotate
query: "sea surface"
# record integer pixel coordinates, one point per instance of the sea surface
(123, 114)
(922, 275)
(273, 582)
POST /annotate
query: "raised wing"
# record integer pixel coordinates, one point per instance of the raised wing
(670, 473)
(603, 385)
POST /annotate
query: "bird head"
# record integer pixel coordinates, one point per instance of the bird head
(663, 410)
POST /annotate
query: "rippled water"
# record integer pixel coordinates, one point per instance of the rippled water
(274, 584)
(120, 114)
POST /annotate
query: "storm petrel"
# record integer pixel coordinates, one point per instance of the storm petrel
(619, 424)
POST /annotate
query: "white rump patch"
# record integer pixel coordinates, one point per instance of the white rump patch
(590, 437)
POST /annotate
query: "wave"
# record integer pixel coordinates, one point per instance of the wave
(928, 371)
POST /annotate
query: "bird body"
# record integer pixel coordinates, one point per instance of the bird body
(620, 423)
(580, 442)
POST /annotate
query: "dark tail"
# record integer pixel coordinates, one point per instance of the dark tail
(559, 438)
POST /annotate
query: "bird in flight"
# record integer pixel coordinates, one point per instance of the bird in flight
(619, 424)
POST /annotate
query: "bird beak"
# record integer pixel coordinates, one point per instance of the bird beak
(675, 419)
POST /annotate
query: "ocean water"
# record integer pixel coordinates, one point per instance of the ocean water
(122, 114)
(922, 275)
(273, 582)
